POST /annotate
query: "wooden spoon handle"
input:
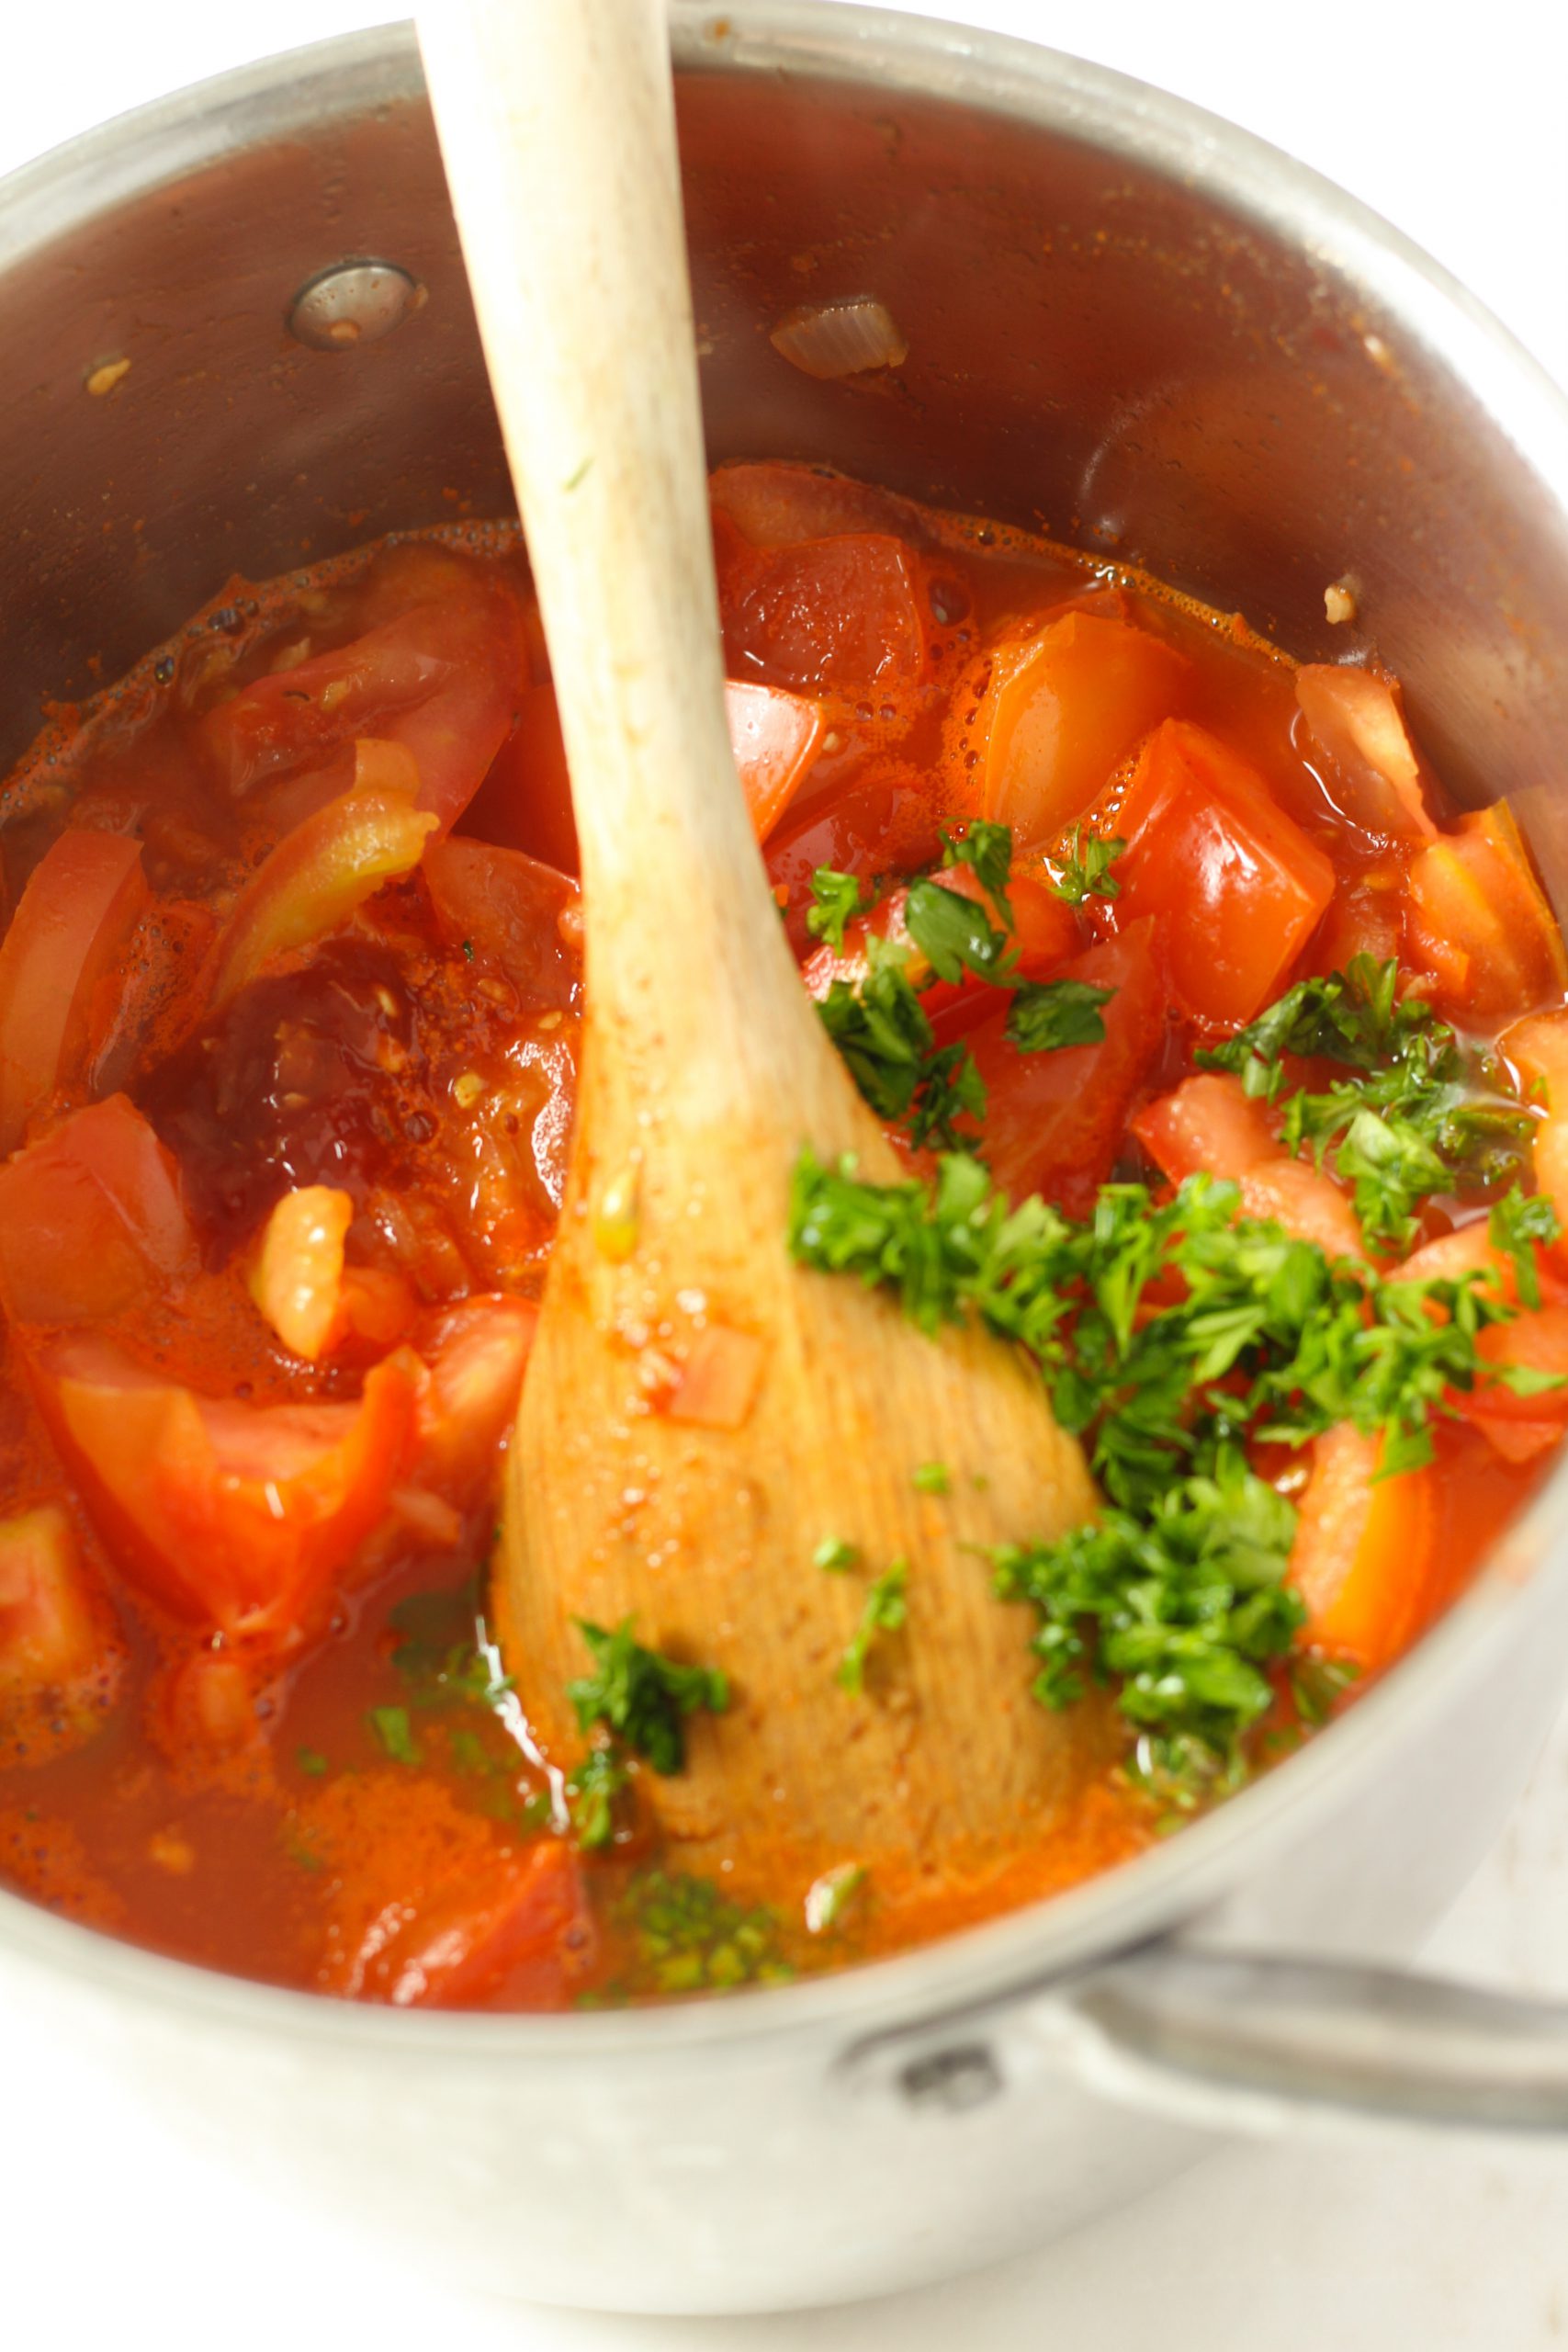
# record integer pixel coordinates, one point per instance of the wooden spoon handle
(557, 125)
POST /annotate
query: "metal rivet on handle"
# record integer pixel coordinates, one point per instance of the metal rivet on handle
(353, 303)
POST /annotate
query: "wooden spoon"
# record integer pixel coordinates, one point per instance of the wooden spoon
(704, 1071)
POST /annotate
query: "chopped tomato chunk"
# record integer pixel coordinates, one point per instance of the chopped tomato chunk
(92, 1220)
(475, 1354)
(1356, 722)
(48, 1630)
(1308, 1204)
(1478, 920)
(1054, 1121)
(82, 901)
(1536, 1342)
(508, 906)
(1241, 885)
(881, 825)
(774, 736)
(1064, 705)
(1045, 935)
(443, 678)
(1210, 1123)
(237, 1515)
(1365, 1554)
(1537, 1049)
(775, 505)
(717, 1385)
(840, 615)
(316, 878)
(296, 1280)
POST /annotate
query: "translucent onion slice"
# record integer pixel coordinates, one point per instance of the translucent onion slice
(844, 338)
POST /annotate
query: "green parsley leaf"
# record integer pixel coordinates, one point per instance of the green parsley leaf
(955, 934)
(1317, 1684)
(687, 1936)
(987, 850)
(591, 1792)
(310, 1761)
(1517, 1222)
(881, 1029)
(829, 1897)
(1085, 872)
(835, 901)
(1420, 1117)
(885, 1612)
(835, 1555)
(933, 1479)
(1048, 1014)
(641, 1696)
(391, 1728)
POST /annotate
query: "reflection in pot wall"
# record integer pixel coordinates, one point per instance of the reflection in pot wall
(1092, 349)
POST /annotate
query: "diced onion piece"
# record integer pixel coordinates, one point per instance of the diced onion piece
(48, 1632)
(719, 1381)
(297, 1276)
(317, 876)
(832, 339)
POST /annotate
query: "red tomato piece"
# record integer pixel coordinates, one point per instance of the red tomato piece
(1364, 1556)
(92, 1220)
(1209, 1123)
(1307, 1204)
(1240, 885)
(1065, 703)
(1453, 1256)
(1537, 1049)
(1046, 932)
(1478, 919)
(239, 1516)
(443, 678)
(774, 737)
(1536, 1341)
(527, 1927)
(1357, 724)
(507, 906)
(62, 1658)
(475, 1354)
(321, 872)
(883, 824)
(1054, 1121)
(775, 505)
(82, 901)
(840, 616)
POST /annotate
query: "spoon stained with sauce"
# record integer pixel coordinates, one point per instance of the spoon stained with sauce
(703, 1421)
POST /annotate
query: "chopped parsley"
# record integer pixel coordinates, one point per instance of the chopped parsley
(1085, 871)
(835, 901)
(880, 1027)
(1517, 1223)
(641, 1697)
(310, 1761)
(590, 1793)
(987, 850)
(1418, 1114)
(1048, 1014)
(933, 1479)
(956, 934)
(884, 1612)
(829, 1897)
(687, 1936)
(391, 1727)
(835, 1555)
(1171, 1334)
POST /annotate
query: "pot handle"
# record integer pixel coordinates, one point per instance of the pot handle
(1248, 2039)
(1243, 2041)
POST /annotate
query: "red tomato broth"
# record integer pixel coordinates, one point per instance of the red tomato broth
(334, 1803)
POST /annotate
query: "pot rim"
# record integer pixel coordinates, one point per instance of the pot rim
(194, 128)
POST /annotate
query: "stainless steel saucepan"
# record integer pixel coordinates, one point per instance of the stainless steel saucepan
(1156, 337)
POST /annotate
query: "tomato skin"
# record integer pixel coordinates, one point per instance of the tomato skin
(1054, 1121)
(320, 872)
(1478, 920)
(1045, 935)
(507, 906)
(1365, 1556)
(528, 1926)
(82, 902)
(882, 825)
(237, 1516)
(1063, 706)
(1240, 886)
(841, 616)
(1356, 722)
(475, 1354)
(92, 1220)
(441, 678)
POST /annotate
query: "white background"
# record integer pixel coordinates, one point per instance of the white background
(1449, 121)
